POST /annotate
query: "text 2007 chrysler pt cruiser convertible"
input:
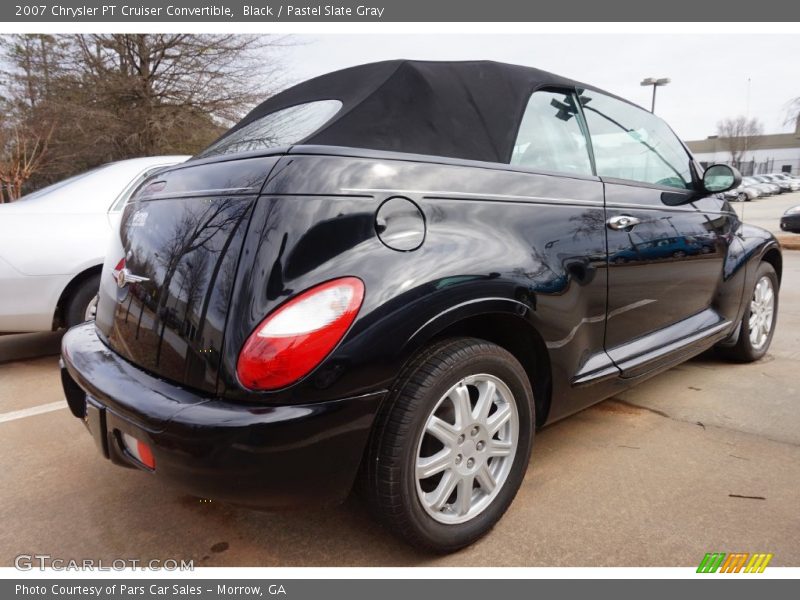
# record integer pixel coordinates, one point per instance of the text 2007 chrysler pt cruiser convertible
(392, 275)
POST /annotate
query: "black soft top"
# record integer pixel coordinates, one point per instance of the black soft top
(467, 109)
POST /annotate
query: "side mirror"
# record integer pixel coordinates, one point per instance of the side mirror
(721, 178)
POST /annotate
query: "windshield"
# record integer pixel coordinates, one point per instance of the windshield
(280, 128)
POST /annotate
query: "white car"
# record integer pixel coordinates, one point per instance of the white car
(743, 193)
(53, 241)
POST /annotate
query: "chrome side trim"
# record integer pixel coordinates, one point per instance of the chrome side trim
(208, 192)
(452, 195)
(624, 205)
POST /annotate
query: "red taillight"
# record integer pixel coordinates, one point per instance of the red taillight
(146, 456)
(139, 450)
(290, 342)
(118, 268)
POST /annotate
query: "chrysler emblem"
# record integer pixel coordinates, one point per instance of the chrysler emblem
(124, 277)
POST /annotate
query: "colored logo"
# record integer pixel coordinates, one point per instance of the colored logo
(737, 562)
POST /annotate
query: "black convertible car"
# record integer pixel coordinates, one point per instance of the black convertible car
(391, 275)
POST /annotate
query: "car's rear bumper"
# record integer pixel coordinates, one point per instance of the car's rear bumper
(261, 456)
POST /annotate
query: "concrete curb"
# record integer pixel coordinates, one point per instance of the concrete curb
(789, 242)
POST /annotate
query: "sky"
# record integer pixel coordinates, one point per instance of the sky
(709, 73)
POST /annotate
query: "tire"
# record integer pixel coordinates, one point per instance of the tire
(400, 439)
(742, 197)
(80, 301)
(746, 350)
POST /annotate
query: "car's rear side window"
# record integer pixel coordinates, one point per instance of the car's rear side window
(550, 137)
(631, 143)
(280, 128)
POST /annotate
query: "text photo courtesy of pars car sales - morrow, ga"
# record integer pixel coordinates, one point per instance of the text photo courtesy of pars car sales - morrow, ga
(298, 298)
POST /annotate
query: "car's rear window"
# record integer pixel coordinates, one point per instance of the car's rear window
(280, 128)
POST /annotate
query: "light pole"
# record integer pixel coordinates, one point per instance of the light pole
(746, 120)
(655, 83)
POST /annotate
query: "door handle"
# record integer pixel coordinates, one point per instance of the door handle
(622, 222)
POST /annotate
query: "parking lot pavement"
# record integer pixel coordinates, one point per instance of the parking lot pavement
(767, 212)
(705, 457)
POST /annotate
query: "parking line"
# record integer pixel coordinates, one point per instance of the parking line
(35, 410)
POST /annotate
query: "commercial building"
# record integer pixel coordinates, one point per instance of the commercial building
(772, 153)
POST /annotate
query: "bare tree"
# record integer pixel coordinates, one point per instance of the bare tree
(737, 135)
(793, 114)
(33, 67)
(26, 131)
(21, 155)
(115, 96)
(164, 82)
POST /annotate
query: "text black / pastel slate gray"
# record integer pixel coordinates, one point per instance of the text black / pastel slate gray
(407, 11)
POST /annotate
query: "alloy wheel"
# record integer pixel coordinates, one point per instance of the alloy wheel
(467, 449)
(762, 310)
(91, 309)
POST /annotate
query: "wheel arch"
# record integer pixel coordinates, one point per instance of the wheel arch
(773, 256)
(502, 322)
(69, 290)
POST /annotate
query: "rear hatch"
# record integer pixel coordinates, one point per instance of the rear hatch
(164, 308)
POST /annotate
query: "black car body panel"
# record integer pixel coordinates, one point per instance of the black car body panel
(184, 238)
(416, 293)
(269, 457)
(444, 246)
